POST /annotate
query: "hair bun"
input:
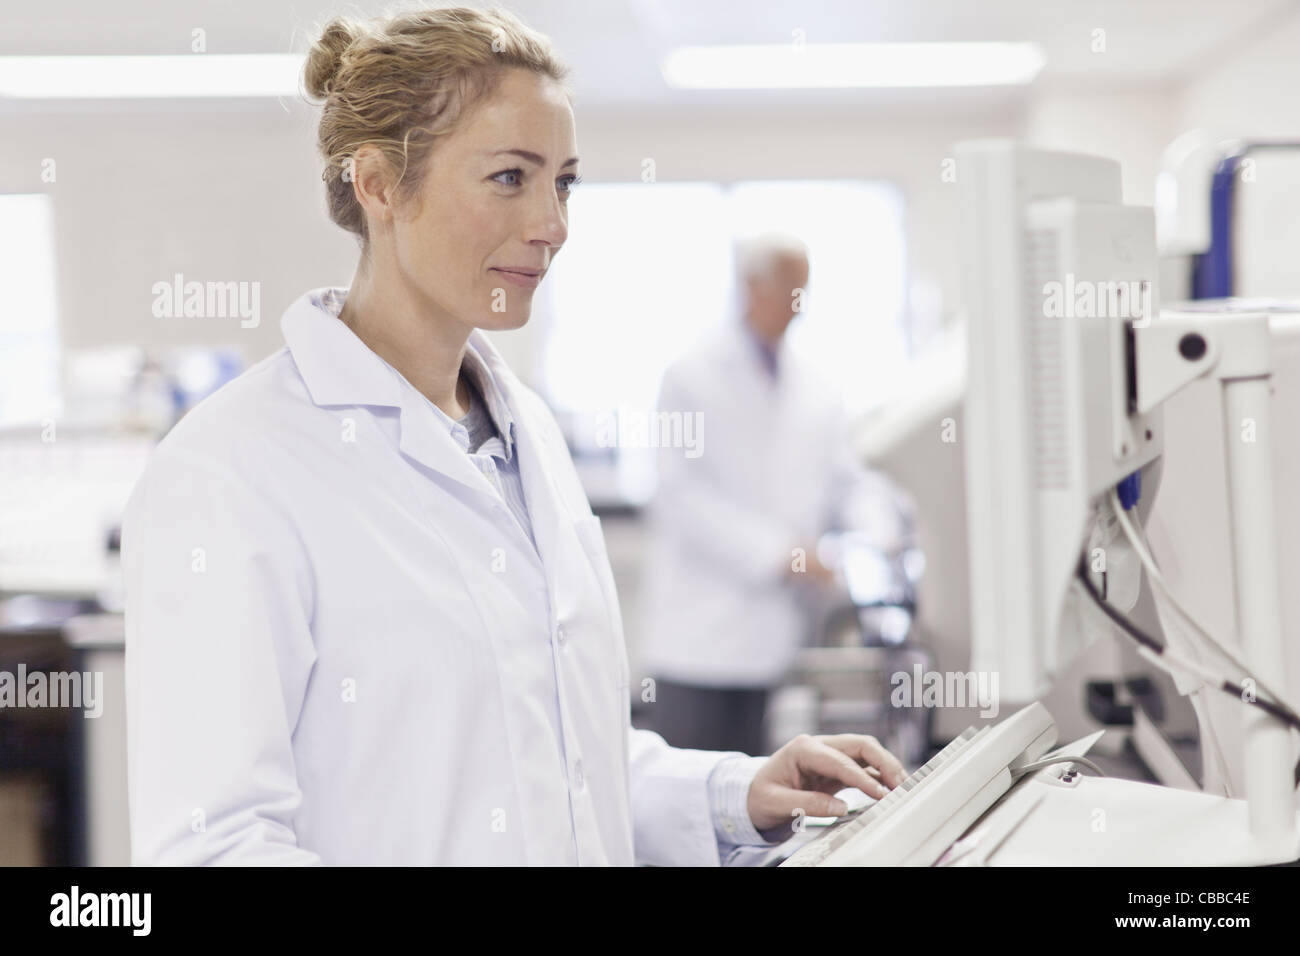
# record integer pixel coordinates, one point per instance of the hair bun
(326, 55)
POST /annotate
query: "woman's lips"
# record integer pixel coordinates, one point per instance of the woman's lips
(519, 278)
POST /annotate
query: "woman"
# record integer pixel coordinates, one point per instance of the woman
(370, 617)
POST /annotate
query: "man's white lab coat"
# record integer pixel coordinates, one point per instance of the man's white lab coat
(773, 472)
(339, 649)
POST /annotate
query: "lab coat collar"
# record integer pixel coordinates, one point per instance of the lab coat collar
(337, 367)
(741, 347)
(768, 356)
(340, 370)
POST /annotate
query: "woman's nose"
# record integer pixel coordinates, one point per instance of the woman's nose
(549, 221)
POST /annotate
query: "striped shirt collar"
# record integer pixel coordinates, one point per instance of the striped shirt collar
(331, 300)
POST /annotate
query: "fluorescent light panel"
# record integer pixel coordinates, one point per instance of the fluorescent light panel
(775, 66)
(156, 77)
(851, 65)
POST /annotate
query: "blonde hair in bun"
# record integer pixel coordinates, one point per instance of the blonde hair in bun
(399, 83)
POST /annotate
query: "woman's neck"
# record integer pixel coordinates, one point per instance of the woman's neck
(411, 335)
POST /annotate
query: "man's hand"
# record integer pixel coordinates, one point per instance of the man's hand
(805, 774)
(813, 572)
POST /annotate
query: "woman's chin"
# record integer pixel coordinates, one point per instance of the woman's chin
(506, 321)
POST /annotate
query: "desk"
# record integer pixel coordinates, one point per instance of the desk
(98, 644)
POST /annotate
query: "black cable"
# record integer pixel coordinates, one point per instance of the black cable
(1278, 710)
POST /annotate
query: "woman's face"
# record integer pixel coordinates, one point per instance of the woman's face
(493, 200)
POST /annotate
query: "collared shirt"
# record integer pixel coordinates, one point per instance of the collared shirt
(497, 460)
(477, 421)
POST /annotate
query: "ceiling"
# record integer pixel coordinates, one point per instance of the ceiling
(614, 46)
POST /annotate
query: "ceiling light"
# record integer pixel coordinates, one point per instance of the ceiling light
(851, 65)
(157, 77)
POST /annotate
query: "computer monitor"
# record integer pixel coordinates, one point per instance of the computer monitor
(1057, 274)
(1014, 431)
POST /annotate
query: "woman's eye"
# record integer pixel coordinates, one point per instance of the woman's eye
(565, 183)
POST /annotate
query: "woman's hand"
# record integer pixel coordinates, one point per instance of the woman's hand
(802, 777)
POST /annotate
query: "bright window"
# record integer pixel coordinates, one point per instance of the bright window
(29, 337)
(647, 269)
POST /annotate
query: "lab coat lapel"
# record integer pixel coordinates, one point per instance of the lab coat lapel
(426, 440)
(341, 370)
(541, 497)
(552, 519)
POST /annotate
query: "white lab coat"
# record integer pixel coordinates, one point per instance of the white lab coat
(339, 649)
(775, 470)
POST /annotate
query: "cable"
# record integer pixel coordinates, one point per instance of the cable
(1136, 535)
(1165, 659)
(1040, 764)
(1153, 572)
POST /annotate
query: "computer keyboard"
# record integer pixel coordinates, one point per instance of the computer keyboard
(915, 822)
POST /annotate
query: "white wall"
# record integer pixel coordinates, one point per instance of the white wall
(213, 194)
(1253, 92)
(1132, 127)
(232, 194)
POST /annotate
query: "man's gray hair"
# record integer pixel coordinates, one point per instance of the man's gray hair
(759, 255)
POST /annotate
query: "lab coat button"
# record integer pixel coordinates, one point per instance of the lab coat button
(578, 778)
(561, 636)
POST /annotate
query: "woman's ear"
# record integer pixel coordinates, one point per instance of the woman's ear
(372, 183)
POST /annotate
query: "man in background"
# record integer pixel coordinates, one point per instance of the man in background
(734, 529)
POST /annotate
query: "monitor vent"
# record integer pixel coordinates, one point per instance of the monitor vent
(1046, 347)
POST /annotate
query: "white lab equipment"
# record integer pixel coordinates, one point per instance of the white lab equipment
(62, 493)
(1189, 532)
(1226, 213)
(916, 440)
(1062, 404)
(1059, 408)
(1046, 411)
